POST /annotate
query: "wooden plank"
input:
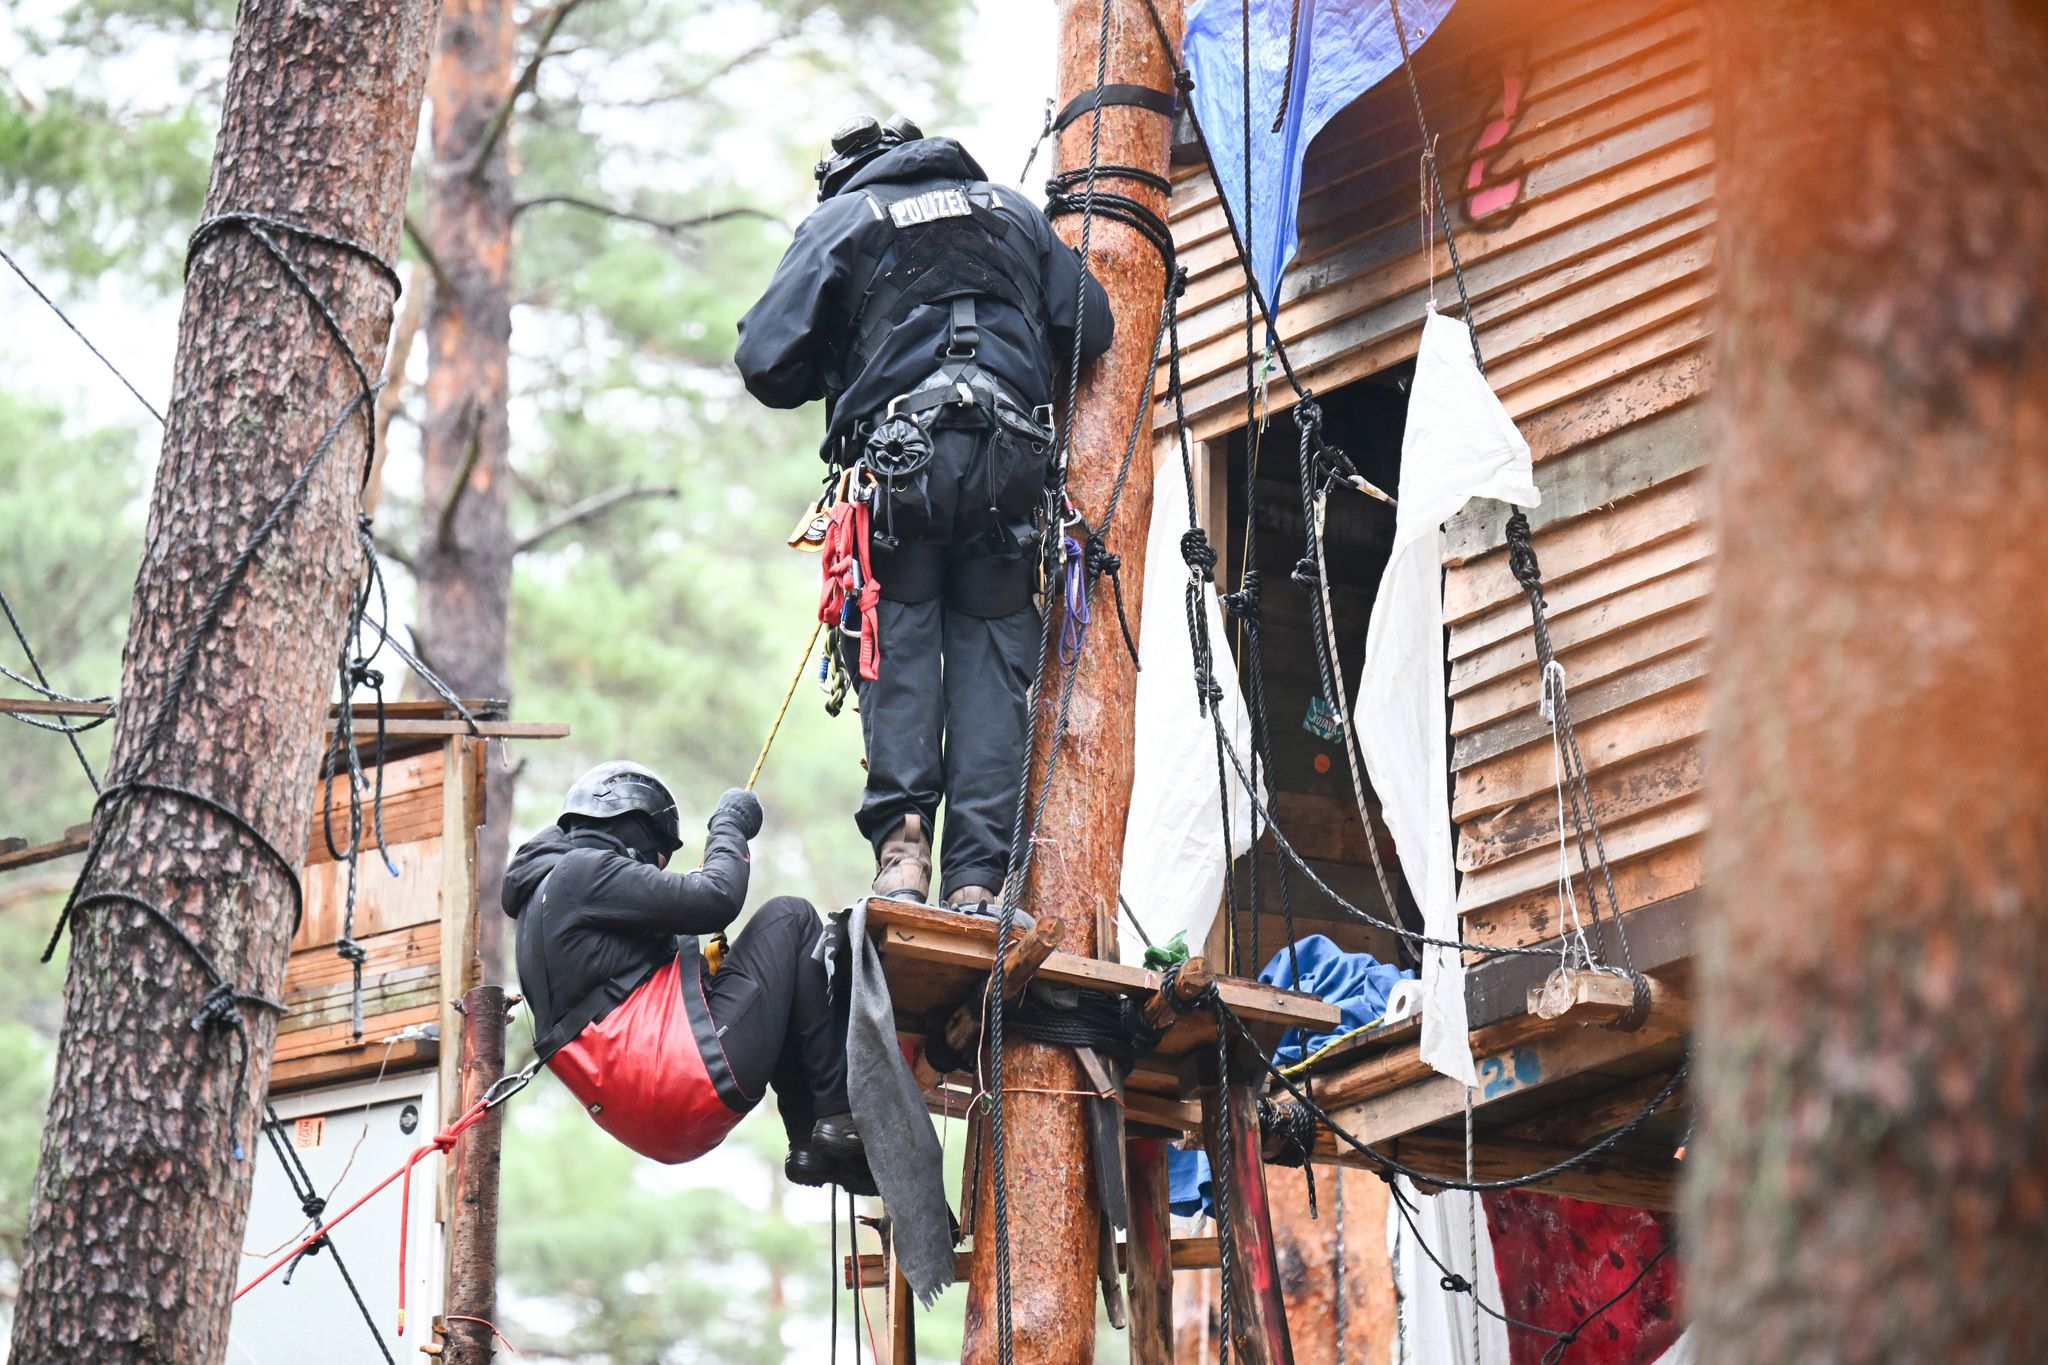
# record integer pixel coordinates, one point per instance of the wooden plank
(1570, 593)
(1606, 998)
(1635, 1179)
(25, 854)
(414, 945)
(1653, 782)
(1586, 1121)
(1587, 704)
(1645, 341)
(1188, 1253)
(899, 1314)
(1535, 871)
(1660, 935)
(1566, 1050)
(1624, 522)
(1655, 722)
(329, 1037)
(1577, 619)
(1658, 636)
(337, 1065)
(1326, 829)
(460, 757)
(1532, 918)
(383, 902)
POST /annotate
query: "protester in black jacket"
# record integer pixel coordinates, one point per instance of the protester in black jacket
(664, 1054)
(936, 314)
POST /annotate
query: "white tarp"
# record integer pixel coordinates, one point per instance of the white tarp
(1459, 444)
(1174, 863)
(1437, 1323)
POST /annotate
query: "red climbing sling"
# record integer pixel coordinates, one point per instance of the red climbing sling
(849, 579)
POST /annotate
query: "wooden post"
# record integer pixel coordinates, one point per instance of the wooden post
(1150, 1253)
(1079, 858)
(1258, 1313)
(458, 925)
(473, 1222)
(899, 1309)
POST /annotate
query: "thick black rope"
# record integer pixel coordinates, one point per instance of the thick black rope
(313, 1206)
(223, 1005)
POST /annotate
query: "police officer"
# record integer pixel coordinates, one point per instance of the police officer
(933, 312)
(664, 1054)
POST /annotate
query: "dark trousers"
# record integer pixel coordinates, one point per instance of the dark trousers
(776, 1018)
(946, 720)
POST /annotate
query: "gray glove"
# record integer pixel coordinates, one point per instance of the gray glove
(743, 808)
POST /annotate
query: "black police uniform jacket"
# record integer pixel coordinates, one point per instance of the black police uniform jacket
(803, 339)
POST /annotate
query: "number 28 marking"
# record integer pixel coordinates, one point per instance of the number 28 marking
(1509, 1071)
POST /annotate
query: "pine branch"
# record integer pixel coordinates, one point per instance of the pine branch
(673, 227)
(445, 529)
(502, 119)
(591, 508)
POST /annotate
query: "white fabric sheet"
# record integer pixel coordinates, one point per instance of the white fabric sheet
(1437, 1323)
(1174, 863)
(1459, 444)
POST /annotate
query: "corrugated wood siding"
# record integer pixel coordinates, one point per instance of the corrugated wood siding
(1591, 299)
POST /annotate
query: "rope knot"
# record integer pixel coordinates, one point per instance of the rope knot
(1196, 552)
(1178, 286)
(1244, 603)
(217, 1009)
(1100, 561)
(312, 1206)
(1293, 1125)
(1453, 1283)
(1522, 558)
(360, 674)
(352, 951)
(1305, 572)
(1308, 415)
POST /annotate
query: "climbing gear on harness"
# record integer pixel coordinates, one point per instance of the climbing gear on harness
(808, 537)
(858, 141)
(851, 595)
(624, 788)
(903, 864)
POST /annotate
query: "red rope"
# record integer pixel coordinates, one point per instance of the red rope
(443, 1141)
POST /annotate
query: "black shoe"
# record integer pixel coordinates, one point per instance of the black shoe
(836, 1135)
(812, 1167)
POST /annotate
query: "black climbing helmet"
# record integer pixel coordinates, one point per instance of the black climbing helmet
(622, 787)
(859, 141)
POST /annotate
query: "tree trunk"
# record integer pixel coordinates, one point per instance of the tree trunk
(1871, 1173)
(140, 1201)
(465, 558)
(1052, 1200)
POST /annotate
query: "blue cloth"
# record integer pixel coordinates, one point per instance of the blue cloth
(1357, 983)
(1345, 48)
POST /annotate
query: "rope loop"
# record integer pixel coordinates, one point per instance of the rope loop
(1196, 551)
(1454, 1283)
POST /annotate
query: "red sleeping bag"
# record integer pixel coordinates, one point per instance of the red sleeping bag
(639, 1074)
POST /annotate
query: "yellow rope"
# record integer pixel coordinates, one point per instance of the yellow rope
(1310, 1060)
(803, 666)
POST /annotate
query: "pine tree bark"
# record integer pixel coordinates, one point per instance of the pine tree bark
(1871, 1174)
(465, 555)
(1053, 1207)
(140, 1200)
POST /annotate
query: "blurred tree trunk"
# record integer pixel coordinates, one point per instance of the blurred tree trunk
(465, 555)
(136, 1221)
(1871, 1175)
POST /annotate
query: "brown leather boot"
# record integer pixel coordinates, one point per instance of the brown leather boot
(903, 865)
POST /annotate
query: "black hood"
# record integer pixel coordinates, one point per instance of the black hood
(530, 867)
(928, 158)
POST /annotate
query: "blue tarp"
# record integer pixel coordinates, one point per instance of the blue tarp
(1357, 983)
(1345, 48)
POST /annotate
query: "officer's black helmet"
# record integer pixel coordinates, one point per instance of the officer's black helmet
(622, 787)
(858, 141)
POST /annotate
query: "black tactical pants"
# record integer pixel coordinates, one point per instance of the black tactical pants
(777, 1024)
(959, 645)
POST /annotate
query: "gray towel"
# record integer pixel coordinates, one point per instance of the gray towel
(895, 1127)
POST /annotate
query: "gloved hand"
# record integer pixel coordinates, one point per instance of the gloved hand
(743, 807)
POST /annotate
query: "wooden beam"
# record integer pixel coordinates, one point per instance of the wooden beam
(458, 925)
(393, 710)
(1631, 1178)
(1660, 935)
(899, 1310)
(25, 854)
(1148, 1259)
(1583, 1121)
(352, 1063)
(1511, 1069)
(1258, 1310)
(1606, 998)
(1189, 1253)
